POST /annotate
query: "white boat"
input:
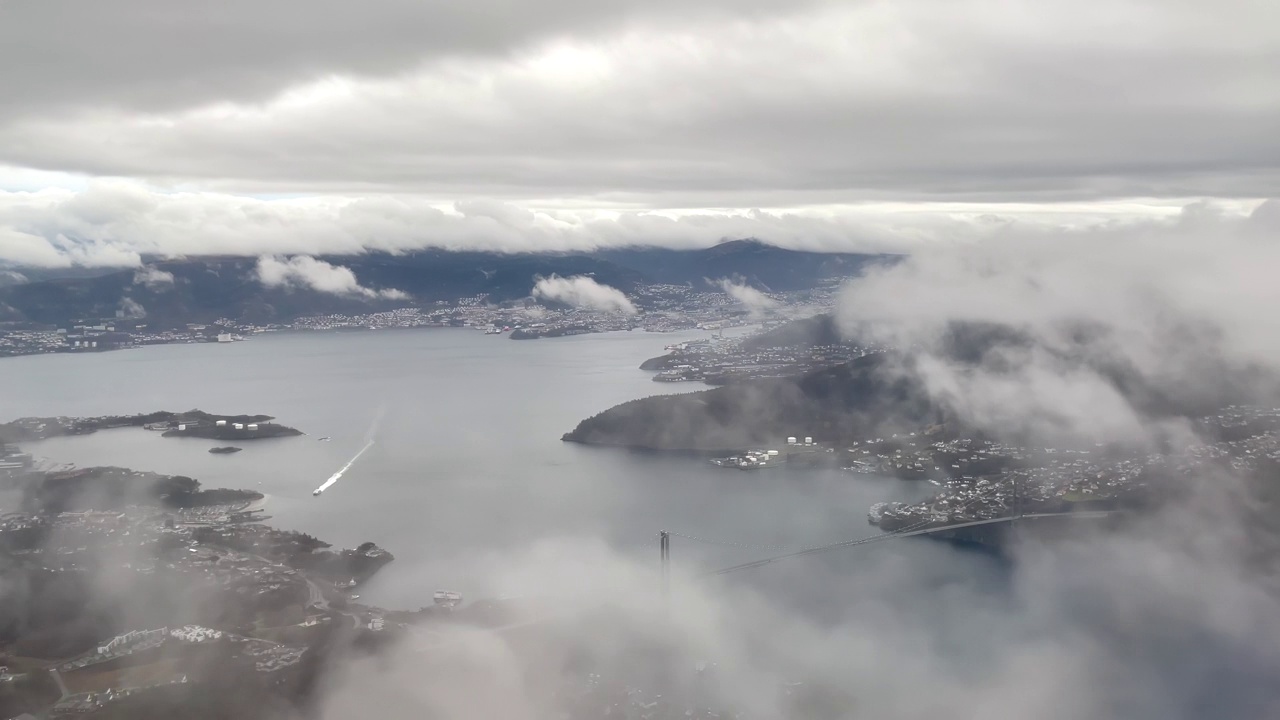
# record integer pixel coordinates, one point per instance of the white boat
(317, 492)
(447, 598)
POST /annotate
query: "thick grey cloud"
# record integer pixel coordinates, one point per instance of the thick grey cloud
(629, 104)
(151, 55)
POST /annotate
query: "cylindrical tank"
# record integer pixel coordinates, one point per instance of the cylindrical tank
(253, 426)
(238, 426)
(808, 440)
(220, 423)
(773, 453)
(182, 427)
(791, 440)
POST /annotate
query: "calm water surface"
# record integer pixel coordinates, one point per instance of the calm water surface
(468, 464)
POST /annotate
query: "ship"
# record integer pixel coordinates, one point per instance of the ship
(224, 450)
(446, 598)
(317, 491)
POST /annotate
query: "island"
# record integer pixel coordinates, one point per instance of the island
(192, 423)
(535, 332)
(225, 450)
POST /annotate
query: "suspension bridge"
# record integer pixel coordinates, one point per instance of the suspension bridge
(926, 528)
(930, 526)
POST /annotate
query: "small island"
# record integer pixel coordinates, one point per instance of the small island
(192, 423)
(227, 430)
(533, 333)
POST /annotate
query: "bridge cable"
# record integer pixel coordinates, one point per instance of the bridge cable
(844, 544)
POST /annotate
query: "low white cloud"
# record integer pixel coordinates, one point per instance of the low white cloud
(153, 277)
(584, 292)
(1107, 323)
(318, 275)
(1137, 623)
(752, 299)
(132, 308)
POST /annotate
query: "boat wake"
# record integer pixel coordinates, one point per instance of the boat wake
(369, 437)
(338, 475)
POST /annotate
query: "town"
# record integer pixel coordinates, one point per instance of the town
(985, 480)
(216, 590)
(659, 308)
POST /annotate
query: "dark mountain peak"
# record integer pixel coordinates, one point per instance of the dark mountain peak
(741, 245)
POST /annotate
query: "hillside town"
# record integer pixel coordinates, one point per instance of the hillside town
(985, 480)
(658, 308)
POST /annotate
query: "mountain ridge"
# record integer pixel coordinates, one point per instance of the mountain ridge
(206, 288)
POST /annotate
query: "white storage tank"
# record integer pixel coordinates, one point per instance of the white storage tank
(791, 441)
(773, 453)
(253, 426)
(182, 426)
(808, 440)
(221, 423)
(238, 426)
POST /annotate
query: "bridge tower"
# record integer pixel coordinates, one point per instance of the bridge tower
(1017, 511)
(664, 547)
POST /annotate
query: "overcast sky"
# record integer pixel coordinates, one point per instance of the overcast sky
(146, 125)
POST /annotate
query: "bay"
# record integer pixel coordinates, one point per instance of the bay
(467, 464)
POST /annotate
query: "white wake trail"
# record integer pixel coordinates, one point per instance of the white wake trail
(338, 475)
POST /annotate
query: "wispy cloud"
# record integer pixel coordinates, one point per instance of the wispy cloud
(752, 299)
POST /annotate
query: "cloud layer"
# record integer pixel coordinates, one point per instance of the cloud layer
(117, 223)
(1164, 619)
(583, 292)
(748, 104)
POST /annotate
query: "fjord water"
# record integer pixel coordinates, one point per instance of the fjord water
(468, 466)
